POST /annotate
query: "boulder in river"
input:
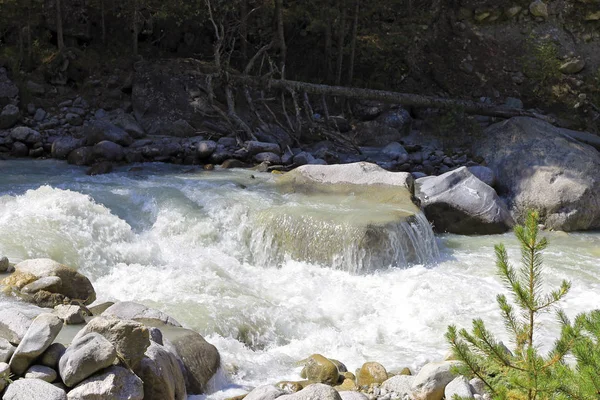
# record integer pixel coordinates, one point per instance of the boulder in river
(85, 356)
(370, 373)
(458, 202)
(320, 369)
(138, 312)
(114, 383)
(541, 167)
(162, 375)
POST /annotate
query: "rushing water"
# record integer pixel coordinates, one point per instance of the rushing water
(191, 243)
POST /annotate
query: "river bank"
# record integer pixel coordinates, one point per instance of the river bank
(175, 240)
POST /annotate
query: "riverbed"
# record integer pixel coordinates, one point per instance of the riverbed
(188, 242)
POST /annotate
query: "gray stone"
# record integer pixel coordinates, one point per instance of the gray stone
(70, 314)
(52, 355)
(13, 325)
(538, 9)
(26, 135)
(19, 149)
(4, 264)
(130, 338)
(39, 115)
(9, 116)
(206, 148)
(98, 131)
(42, 372)
(128, 123)
(572, 67)
(395, 152)
(138, 312)
(266, 392)
(200, 358)
(349, 395)
(47, 283)
(109, 151)
(484, 174)
(430, 382)
(541, 167)
(74, 119)
(255, 147)
(270, 158)
(400, 385)
(313, 392)
(41, 333)
(63, 146)
(6, 350)
(81, 156)
(458, 387)
(85, 356)
(458, 202)
(303, 158)
(114, 383)
(156, 335)
(33, 389)
(162, 375)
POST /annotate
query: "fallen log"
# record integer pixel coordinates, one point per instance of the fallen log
(404, 99)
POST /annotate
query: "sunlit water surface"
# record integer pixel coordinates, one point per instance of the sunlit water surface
(185, 241)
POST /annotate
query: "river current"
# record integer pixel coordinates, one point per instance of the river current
(188, 242)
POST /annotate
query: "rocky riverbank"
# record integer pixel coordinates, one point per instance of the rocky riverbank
(160, 114)
(53, 346)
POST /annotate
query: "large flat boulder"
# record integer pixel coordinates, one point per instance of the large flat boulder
(357, 217)
(458, 202)
(541, 167)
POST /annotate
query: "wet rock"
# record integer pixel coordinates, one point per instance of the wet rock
(86, 355)
(138, 312)
(254, 148)
(25, 135)
(74, 285)
(99, 131)
(81, 156)
(200, 358)
(458, 202)
(70, 314)
(33, 389)
(4, 264)
(41, 333)
(52, 355)
(6, 351)
(538, 9)
(458, 387)
(130, 338)
(541, 167)
(101, 168)
(312, 392)
(114, 383)
(370, 373)
(430, 382)
(320, 369)
(162, 375)
(9, 116)
(63, 146)
(206, 148)
(572, 67)
(108, 151)
(41, 372)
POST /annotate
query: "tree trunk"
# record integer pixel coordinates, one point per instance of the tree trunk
(405, 99)
(281, 36)
(328, 45)
(103, 22)
(341, 36)
(353, 43)
(59, 27)
(244, 31)
(135, 33)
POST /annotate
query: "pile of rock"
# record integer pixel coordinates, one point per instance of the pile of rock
(116, 351)
(329, 379)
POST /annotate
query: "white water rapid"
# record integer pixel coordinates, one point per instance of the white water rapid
(194, 244)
